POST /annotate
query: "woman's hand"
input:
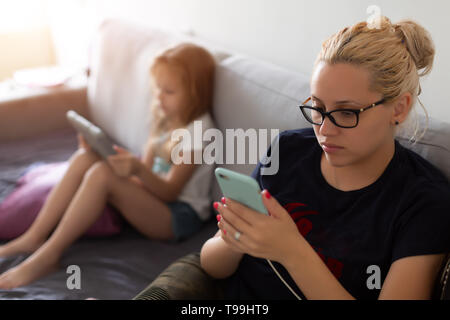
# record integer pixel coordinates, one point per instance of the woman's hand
(124, 163)
(274, 237)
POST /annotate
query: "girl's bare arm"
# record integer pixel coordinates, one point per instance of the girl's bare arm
(147, 161)
(169, 187)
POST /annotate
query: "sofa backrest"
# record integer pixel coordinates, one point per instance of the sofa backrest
(249, 93)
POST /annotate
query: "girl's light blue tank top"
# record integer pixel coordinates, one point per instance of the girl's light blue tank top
(160, 165)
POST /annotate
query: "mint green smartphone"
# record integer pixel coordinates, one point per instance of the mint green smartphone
(241, 188)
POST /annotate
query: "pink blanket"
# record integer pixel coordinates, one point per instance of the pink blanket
(22, 205)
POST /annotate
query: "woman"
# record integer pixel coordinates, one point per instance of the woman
(353, 214)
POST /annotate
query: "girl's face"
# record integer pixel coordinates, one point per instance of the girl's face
(170, 91)
(331, 84)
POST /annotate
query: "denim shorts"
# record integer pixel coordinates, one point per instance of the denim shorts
(185, 220)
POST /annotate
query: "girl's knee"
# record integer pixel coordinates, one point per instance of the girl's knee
(100, 172)
(84, 159)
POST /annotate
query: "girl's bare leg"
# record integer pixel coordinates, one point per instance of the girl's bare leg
(148, 214)
(54, 207)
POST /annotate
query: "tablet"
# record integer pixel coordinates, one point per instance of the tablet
(93, 135)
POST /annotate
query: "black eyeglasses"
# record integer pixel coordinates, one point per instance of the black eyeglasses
(343, 118)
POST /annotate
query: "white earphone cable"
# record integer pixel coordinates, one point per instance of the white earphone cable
(282, 280)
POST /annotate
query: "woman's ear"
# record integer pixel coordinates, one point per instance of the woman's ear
(401, 108)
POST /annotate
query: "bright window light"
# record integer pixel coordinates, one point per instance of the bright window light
(22, 15)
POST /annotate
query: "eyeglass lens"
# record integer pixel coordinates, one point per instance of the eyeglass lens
(342, 118)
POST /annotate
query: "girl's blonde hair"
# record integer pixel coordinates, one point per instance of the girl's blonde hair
(395, 55)
(196, 67)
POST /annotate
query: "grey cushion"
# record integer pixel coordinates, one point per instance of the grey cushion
(435, 144)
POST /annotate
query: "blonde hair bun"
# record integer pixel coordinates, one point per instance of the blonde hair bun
(419, 43)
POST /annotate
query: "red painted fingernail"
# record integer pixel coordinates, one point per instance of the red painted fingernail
(268, 194)
(218, 217)
(216, 205)
(223, 200)
(224, 232)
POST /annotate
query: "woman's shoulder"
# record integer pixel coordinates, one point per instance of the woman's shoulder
(420, 181)
(302, 133)
(294, 147)
(304, 137)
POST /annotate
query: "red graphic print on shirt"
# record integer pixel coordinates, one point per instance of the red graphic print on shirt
(298, 211)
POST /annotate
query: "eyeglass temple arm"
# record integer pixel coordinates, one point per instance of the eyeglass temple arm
(372, 105)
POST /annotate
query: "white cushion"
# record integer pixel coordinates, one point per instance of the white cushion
(119, 94)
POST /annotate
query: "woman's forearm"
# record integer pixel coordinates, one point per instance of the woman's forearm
(218, 259)
(313, 277)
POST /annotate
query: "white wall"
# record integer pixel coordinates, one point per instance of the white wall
(290, 32)
(25, 37)
(15, 48)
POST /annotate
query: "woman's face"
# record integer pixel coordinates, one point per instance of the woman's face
(170, 91)
(331, 84)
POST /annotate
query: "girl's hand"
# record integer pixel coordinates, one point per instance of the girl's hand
(136, 180)
(124, 163)
(82, 143)
(274, 237)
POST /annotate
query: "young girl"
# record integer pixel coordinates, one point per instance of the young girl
(164, 204)
(353, 214)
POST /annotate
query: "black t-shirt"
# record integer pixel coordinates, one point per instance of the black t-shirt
(406, 212)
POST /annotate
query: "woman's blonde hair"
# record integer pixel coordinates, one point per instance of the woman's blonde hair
(196, 67)
(395, 55)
